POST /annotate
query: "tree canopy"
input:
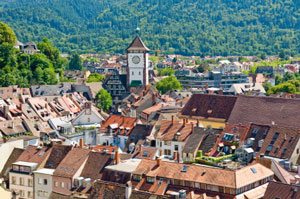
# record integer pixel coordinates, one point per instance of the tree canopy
(103, 100)
(167, 84)
(7, 35)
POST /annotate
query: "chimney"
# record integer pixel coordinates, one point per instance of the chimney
(81, 143)
(178, 157)
(128, 190)
(160, 152)
(158, 161)
(198, 123)
(12, 125)
(21, 107)
(187, 120)
(172, 119)
(183, 122)
(6, 109)
(193, 127)
(117, 157)
(175, 156)
(153, 99)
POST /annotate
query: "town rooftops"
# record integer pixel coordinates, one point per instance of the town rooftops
(280, 142)
(265, 110)
(121, 125)
(137, 45)
(282, 191)
(57, 155)
(51, 90)
(204, 174)
(209, 106)
(72, 162)
(169, 130)
(34, 154)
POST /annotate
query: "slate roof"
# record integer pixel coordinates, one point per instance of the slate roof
(58, 154)
(282, 191)
(51, 90)
(137, 44)
(213, 106)
(265, 110)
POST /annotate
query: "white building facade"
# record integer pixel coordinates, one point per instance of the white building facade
(43, 183)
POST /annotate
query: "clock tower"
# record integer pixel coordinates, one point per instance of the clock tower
(137, 62)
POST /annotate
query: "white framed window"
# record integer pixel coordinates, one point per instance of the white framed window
(30, 182)
(21, 181)
(62, 185)
(13, 180)
(29, 194)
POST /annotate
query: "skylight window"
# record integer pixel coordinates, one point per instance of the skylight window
(60, 168)
(146, 153)
(269, 147)
(253, 170)
(284, 151)
(184, 168)
(255, 131)
(66, 169)
(72, 171)
(50, 164)
(274, 138)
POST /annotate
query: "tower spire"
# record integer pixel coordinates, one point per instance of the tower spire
(137, 31)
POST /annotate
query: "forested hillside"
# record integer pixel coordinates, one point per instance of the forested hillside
(189, 27)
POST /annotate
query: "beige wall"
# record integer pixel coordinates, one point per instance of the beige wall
(42, 187)
(7, 148)
(4, 194)
(17, 187)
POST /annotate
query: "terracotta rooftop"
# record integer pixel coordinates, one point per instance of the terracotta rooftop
(280, 142)
(145, 153)
(282, 191)
(57, 155)
(204, 174)
(168, 131)
(103, 148)
(72, 162)
(209, 106)
(121, 125)
(35, 154)
(265, 110)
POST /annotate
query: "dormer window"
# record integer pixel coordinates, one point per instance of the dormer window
(176, 137)
(150, 180)
(136, 177)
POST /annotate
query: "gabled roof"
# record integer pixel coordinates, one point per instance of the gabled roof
(168, 130)
(95, 165)
(265, 110)
(203, 174)
(137, 44)
(282, 191)
(72, 162)
(57, 155)
(280, 142)
(209, 106)
(138, 134)
(35, 154)
(122, 125)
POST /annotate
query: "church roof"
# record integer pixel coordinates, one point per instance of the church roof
(137, 44)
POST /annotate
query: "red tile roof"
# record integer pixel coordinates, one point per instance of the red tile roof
(124, 124)
(168, 130)
(282, 191)
(137, 44)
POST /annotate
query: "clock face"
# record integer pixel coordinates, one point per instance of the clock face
(136, 59)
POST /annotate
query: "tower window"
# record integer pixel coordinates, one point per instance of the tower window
(140, 73)
(132, 73)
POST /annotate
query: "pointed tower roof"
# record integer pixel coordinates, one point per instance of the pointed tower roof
(137, 44)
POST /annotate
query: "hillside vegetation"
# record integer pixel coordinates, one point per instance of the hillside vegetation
(188, 27)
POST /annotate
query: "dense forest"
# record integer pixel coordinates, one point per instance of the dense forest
(188, 27)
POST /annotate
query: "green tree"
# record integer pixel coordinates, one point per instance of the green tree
(40, 60)
(38, 75)
(103, 100)
(94, 77)
(75, 62)
(284, 87)
(7, 35)
(282, 54)
(167, 84)
(49, 76)
(263, 56)
(267, 86)
(166, 72)
(50, 51)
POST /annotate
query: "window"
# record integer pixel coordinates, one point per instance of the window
(291, 139)
(132, 73)
(89, 119)
(13, 180)
(29, 194)
(62, 185)
(140, 73)
(40, 193)
(30, 182)
(167, 152)
(276, 150)
(22, 193)
(255, 131)
(40, 181)
(22, 181)
(150, 180)
(269, 148)
(56, 184)
(176, 147)
(45, 181)
(167, 143)
(274, 138)
(284, 151)
(137, 177)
